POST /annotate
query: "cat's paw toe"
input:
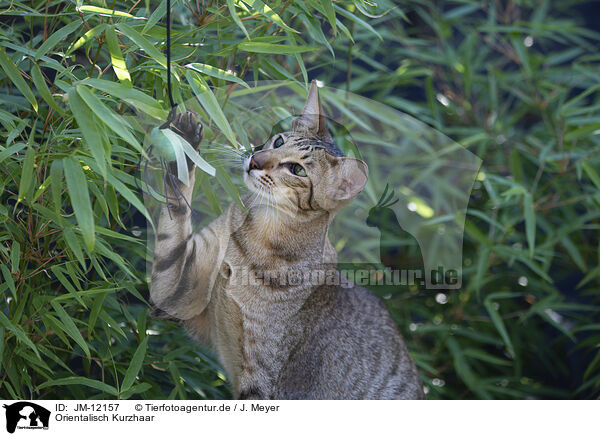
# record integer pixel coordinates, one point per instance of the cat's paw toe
(188, 126)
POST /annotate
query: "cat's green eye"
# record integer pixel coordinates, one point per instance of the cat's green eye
(298, 170)
(278, 142)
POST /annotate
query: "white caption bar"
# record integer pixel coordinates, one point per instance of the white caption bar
(162, 418)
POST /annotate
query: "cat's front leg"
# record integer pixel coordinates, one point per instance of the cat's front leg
(185, 262)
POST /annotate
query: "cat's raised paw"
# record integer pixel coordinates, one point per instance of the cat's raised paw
(188, 126)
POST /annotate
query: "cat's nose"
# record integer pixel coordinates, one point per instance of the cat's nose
(260, 161)
(253, 165)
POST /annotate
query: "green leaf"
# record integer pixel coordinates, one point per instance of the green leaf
(137, 99)
(156, 16)
(40, 84)
(329, 9)
(73, 244)
(70, 327)
(18, 332)
(12, 150)
(125, 192)
(210, 104)
(116, 56)
(143, 43)
(15, 256)
(216, 72)
(137, 389)
(15, 76)
(266, 11)
(357, 20)
(80, 199)
(188, 150)
(499, 324)
(56, 37)
(87, 36)
(67, 381)
(591, 173)
(266, 47)
(27, 173)
(68, 286)
(104, 11)
(236, 19)
(9, 280)
(56, 187)
(115, 122)
(135, 365)
(529, 222)
(90, 129)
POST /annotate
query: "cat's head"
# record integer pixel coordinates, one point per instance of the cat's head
(302, 169)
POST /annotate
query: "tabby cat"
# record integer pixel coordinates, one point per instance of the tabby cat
(260, 285)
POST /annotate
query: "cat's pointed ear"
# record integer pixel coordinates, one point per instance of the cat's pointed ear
(313, 119)
(348, 178)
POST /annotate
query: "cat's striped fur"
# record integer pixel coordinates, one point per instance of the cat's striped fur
(278, 338)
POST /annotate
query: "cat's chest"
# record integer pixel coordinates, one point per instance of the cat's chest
(267, 336)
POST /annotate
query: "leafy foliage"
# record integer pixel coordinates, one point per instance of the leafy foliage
(515, 82)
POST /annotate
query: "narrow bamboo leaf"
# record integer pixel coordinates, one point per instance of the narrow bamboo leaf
(266, 11)
(143, 43)
(124, 191)
(182, 168)
(27, 173)
(229, 187)
(74, 246)
(104, 11)
(210, 104)
(12, 150)
(135, 365)
(236, 18)
(156, 16)
(2, 344)
(80, 199)
(90, 129)
(68, 286)
(96, 308)
(70, 327)
(58, 36)
(189, 151)
(517, 43)
(137, 99)
(216, 72)
(115, 122)
(529, 222)
(266, 47)
(116, 56)
(499, 324)
(56, 187)
(357, 20)
(87, 36)
(486, 357)
(137, 389)
(80, 381)
(15, 76)
(18, 332)
(591, 173)
(9, 280)
(330, 13)
(40, 84)
(15, 256)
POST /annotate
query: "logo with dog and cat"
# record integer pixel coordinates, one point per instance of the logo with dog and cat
(25, 415)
